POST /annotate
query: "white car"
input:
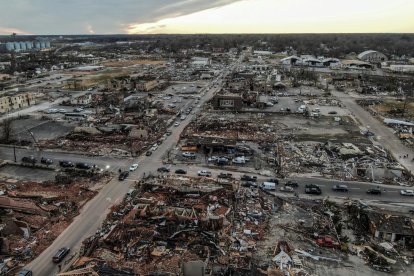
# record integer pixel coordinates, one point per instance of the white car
(188, 154)
(204, 173)
(239, 160)
(176, 124)
(407, 192)
(133, 167)
(212, 159)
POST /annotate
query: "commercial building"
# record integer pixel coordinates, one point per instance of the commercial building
(372, 56)
(10, 103)
(82, 100)
(228, 101)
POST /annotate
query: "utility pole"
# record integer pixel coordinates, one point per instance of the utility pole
(14, 152)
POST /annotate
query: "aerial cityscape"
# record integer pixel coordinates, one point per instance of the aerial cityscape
(194, 138)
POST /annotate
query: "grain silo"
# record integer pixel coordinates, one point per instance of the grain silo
(29, 45)
(47, 44)
(10, 46)
(22, 45)
(16, 46)
(42, 45)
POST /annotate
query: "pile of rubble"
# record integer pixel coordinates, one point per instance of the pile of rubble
(165, 224)
(343, 161)
(34, 214)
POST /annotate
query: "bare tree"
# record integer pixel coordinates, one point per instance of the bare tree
(7, 130)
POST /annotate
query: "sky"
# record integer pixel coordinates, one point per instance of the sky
(205, 16)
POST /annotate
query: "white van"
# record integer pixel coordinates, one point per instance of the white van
(268, 186)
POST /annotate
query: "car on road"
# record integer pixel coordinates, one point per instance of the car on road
(180, 171)
(292, 184)
(133, 167)
(163, 169)
(29, 159)
(313, 189)
(61, 110)
(123, 175)
(148, 153)
(204, 173)
(188, 154)
(249, 184)
(46, 161)
(66, 164)
(225, 175)
(169, 132)
(340, 188)
(176, 124)
(78, 109)
(239, 160)
(83, 166)
(287, 189)
(374, 191)
(246, 177)
(407, 192)
(60, 254)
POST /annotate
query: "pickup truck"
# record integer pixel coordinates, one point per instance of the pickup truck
(204, 173)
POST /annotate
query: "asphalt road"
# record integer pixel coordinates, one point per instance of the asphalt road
(357, 190)
(96, 210)
(384, 135)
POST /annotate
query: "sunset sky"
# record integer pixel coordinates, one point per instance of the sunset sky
(205, 16)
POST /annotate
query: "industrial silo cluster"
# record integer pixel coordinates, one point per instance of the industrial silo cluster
(27, 45)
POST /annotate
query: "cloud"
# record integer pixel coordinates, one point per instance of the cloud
(5, 30)
(90, 29)
(106, 16)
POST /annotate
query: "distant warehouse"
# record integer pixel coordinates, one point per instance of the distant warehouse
(372, 56)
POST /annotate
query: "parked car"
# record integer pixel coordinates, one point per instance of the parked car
(83, 166)
(123, 175)
(332, 112)
(133, 167)
(168, 132)
(29, 159)
(78, 109)
(148, 153)
(374, 191)
(340, 188)
(25, 272)
(60, 254)
(246, 177)
(313, 189)
(204, 173)
(66, 164)
(212, 159)
(222, 161)
(46, 161)
(176, 124)
(180, 171)
(292, 184)
(239, 160)
(163, 169)
(188, 154)
(407, 192)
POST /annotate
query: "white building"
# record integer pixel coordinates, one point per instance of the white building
(372, 56)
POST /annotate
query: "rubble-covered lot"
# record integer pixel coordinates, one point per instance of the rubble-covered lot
(33, 214)
(165, 225)
(328, 238)
(167, 222)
